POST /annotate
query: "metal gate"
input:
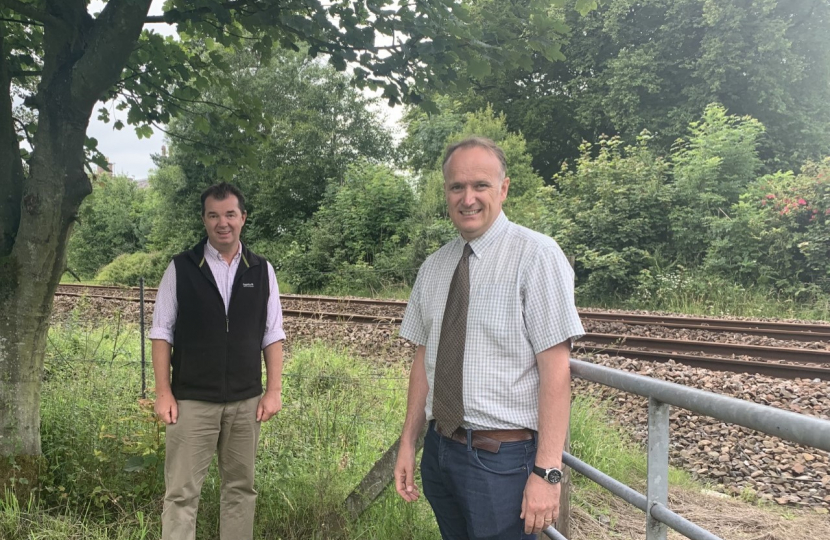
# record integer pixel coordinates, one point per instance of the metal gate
(794, 427)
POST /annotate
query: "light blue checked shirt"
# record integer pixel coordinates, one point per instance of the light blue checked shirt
(521, 303)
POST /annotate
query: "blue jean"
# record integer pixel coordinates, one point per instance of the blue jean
(475, 494)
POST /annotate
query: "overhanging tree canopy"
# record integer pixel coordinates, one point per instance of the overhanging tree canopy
(58, 60)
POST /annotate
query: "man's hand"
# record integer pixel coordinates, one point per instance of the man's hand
(540, 504)
(269, 405)
(167, 408)
(405, 474)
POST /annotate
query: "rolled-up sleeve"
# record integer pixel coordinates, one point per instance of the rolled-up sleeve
(166, 307)
(273, 320)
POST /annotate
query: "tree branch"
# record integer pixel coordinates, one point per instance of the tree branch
(111, 42)
(186, 139)
(22, 73)
(21, 127)
(30, 11)
(21, 21)
(174, 16)
(11, 176)
(172, 98)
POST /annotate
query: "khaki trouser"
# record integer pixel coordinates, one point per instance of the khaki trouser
(202, 429)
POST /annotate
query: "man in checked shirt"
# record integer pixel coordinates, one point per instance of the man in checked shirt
(217, 311)
(493, 450)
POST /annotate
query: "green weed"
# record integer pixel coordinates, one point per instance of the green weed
(104, 449)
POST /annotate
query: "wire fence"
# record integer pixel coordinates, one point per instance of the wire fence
(102, 441)
(118, 350)
(120, 344)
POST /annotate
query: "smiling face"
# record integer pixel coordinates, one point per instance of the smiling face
(474, 190)
(223, 222)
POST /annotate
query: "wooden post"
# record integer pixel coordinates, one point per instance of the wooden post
(563, 522)
(376, 480)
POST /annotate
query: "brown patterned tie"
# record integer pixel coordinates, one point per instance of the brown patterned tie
(448, 394)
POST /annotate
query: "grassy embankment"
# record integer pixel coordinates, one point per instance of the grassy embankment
(102, 476)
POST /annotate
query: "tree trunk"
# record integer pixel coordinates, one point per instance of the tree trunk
(82, 59)
(53, 192)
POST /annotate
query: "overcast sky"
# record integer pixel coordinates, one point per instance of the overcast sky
(130, 155)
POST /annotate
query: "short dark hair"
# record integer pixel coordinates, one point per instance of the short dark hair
(480, 142)
(220, 192)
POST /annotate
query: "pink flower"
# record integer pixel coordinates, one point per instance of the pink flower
(802, 202)
(770, 196)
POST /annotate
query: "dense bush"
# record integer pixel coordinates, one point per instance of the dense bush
(610, 213)
(643, 224)
(128, 269)
(115, 219)
(711, 168)
(361, 223)
(777, 235)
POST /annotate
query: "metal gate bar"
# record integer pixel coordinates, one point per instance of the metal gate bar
(794, 427)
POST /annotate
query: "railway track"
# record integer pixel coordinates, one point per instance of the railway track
(779, 361)
(737, 461)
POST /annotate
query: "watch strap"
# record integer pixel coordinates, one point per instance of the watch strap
(546, 474)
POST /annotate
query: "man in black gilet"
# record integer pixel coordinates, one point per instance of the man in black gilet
(217, 312)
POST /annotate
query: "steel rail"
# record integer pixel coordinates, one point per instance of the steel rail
(614, 342)
(792, 335)
(635, 318)
(702, 323)
(106, 287)
(781, 371)
(724, 349)
(105, 297)
(342, 317)
(674, 345)
(344, 300)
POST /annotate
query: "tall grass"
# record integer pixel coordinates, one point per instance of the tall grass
(696, 293)
(103, 448)
(596, 440)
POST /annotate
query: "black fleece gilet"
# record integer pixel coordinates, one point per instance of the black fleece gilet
(218, 357)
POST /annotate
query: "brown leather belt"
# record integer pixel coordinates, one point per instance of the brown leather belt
(490, 439)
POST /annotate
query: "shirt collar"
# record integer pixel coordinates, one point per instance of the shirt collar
(211, 251)
(484, 241)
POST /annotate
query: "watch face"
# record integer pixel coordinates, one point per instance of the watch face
(554, 476)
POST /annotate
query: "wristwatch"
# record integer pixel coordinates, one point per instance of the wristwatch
(552, 476)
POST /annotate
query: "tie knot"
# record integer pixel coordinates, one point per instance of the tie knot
(467, 251)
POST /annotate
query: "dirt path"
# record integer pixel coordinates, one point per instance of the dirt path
(602, 516)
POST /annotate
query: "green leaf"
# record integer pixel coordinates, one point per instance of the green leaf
(134, 464)
(585, 6)
(478, 67)
(201, 123)
(225, 172)
(144, 132)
